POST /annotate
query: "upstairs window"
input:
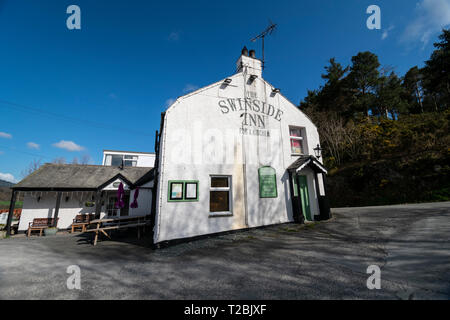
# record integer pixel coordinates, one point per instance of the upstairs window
(297, 140)
(115, 160)
(130, 161)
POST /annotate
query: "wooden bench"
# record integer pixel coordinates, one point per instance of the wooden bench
(40, 224)
(81, 221)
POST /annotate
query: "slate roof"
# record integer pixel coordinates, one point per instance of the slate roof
(311, 161)
(78, 177)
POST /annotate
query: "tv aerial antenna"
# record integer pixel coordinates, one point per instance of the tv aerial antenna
(269, 30)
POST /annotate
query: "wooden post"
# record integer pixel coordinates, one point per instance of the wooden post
(11, 213)
(98, 205)
(58, 204)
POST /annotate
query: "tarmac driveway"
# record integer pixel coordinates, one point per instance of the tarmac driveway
(327, 260)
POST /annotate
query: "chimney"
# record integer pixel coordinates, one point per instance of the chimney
(249, 63)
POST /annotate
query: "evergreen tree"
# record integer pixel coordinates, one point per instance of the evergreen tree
(413, 85)
(437, 73)
(389, 97)
(362, 80)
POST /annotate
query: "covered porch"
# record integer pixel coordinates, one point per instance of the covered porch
(307, 178)
(63, 193)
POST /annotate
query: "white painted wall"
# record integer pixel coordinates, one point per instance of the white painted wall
(45, 208)
(198, 117)
(3, 218)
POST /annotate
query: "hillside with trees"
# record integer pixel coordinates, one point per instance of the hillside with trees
(385, 137)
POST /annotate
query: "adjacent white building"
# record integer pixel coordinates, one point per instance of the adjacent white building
(72, 190)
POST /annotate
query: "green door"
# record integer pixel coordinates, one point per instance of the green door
(304, 195)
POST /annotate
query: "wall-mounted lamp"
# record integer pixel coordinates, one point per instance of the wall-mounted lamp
(253, 77)
(318, 151)
(275, 90)
(227, 81)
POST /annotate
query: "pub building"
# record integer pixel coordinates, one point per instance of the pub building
(233, 155)
(236, 154)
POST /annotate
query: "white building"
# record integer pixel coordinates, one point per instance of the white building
(68, 190)
(233, 155)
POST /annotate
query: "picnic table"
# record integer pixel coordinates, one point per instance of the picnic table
(109, 224)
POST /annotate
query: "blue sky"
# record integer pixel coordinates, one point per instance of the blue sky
(72, 93)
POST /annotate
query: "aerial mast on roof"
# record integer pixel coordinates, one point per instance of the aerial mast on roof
(262, 35)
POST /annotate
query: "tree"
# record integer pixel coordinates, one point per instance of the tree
(389, 96)
(60, 160)
(334, 95)
(437, 72)
(85, 159)
(32, 167)
(413, 85)
(335, 72)
(362, 79)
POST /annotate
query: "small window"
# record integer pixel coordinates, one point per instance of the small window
(191, 190)
(111, 210)
(176, 191)
(220, 195)
(296, 138)
(116, 160)
(183, 191)
(129, 163)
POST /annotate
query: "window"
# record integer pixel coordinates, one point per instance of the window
(130, 161)
(190, 190)
(183, 191)
(111, 210)
(296, 138)
(220, 195)
(116, 160)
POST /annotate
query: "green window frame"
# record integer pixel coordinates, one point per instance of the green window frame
(184, 191)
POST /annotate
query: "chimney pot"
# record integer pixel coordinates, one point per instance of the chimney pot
(252, 54)
(244, 51)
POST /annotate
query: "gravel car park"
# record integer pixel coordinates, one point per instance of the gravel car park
(324, 260)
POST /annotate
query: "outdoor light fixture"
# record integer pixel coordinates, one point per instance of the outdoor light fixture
(227, 81)
(318, 151)
(275, 90)
(253, 77)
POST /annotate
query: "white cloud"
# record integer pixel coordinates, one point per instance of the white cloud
(189, 88)
(430, 17)
(174, 36)
(68, 145)
(169, 102)
(5, 135)
(7, 177)
(386, 32)
(33, 145)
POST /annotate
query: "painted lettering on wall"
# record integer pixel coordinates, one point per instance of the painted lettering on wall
(254, 112)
